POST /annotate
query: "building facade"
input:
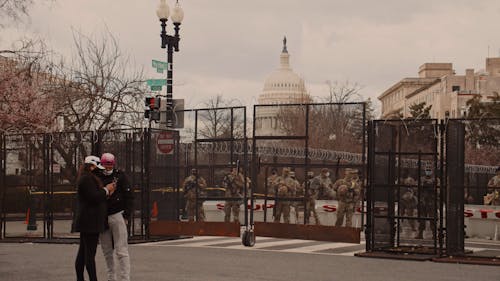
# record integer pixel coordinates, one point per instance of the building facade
(283, 86)
(438, 85)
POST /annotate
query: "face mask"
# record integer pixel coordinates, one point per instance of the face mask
(327, 174)
(107, 172)
(428, 173)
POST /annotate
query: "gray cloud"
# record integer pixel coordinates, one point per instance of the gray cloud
(230, 46)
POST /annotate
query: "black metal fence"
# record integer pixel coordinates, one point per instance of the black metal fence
(421, 175)
(38, 196)
(302, 139)
(407, 210)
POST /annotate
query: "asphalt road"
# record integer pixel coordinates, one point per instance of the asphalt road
(54, 262)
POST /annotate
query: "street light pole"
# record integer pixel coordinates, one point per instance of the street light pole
(171, 43)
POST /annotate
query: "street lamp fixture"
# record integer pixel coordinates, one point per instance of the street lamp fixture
(171, 43)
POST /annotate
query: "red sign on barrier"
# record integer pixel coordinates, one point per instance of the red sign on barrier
(165, 143)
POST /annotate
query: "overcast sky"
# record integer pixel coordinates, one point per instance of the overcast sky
(229, 47)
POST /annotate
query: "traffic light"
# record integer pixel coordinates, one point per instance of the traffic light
(157, 103)
(152, 110)
(152, 102)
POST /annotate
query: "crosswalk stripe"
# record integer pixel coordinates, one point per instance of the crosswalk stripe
(271, 244)
(262, 244)
(194, 241)
(320, 247)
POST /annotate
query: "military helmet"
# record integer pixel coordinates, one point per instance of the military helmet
(285, 172)
(194, 171)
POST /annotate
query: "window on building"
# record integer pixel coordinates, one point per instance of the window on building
(455, 88)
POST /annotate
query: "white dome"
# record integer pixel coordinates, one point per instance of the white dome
(283, 85)
(284, 80)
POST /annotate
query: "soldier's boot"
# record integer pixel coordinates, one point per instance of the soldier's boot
(306, 220)
(316, 219)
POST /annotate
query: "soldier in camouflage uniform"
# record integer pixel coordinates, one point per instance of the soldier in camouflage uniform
(493, 196)
(272, 186)
(408, 201)
(427, 201)
(298, 192)
(323, 183)
(233, 183)
(272, 181)
(312, 192)
(348, 193)
(285, 189)
(191, 184)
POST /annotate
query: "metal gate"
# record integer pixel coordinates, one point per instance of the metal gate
(301, 141)
(213, 142)
(418, 182)
(405, 187)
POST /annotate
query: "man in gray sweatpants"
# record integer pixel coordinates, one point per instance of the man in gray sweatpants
(114, 241)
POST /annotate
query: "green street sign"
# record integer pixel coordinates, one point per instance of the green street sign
(156, 88)
(160, 65)
(156, 82)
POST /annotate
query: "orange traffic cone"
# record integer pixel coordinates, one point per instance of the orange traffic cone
(26, 221)
(154, 212)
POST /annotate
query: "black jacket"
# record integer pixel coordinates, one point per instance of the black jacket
(123, 197)
(91, 215)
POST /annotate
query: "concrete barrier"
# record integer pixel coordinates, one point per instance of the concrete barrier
(480, 221)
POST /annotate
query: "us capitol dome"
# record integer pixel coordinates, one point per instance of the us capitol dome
(283, 86)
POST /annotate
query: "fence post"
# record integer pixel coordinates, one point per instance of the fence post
(31, 212)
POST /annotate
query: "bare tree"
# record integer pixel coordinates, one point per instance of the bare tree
(100, 89)
(342, 92)
(12, 11)
(217, 121)
(334, 126)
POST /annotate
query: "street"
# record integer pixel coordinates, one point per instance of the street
(219, 258)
